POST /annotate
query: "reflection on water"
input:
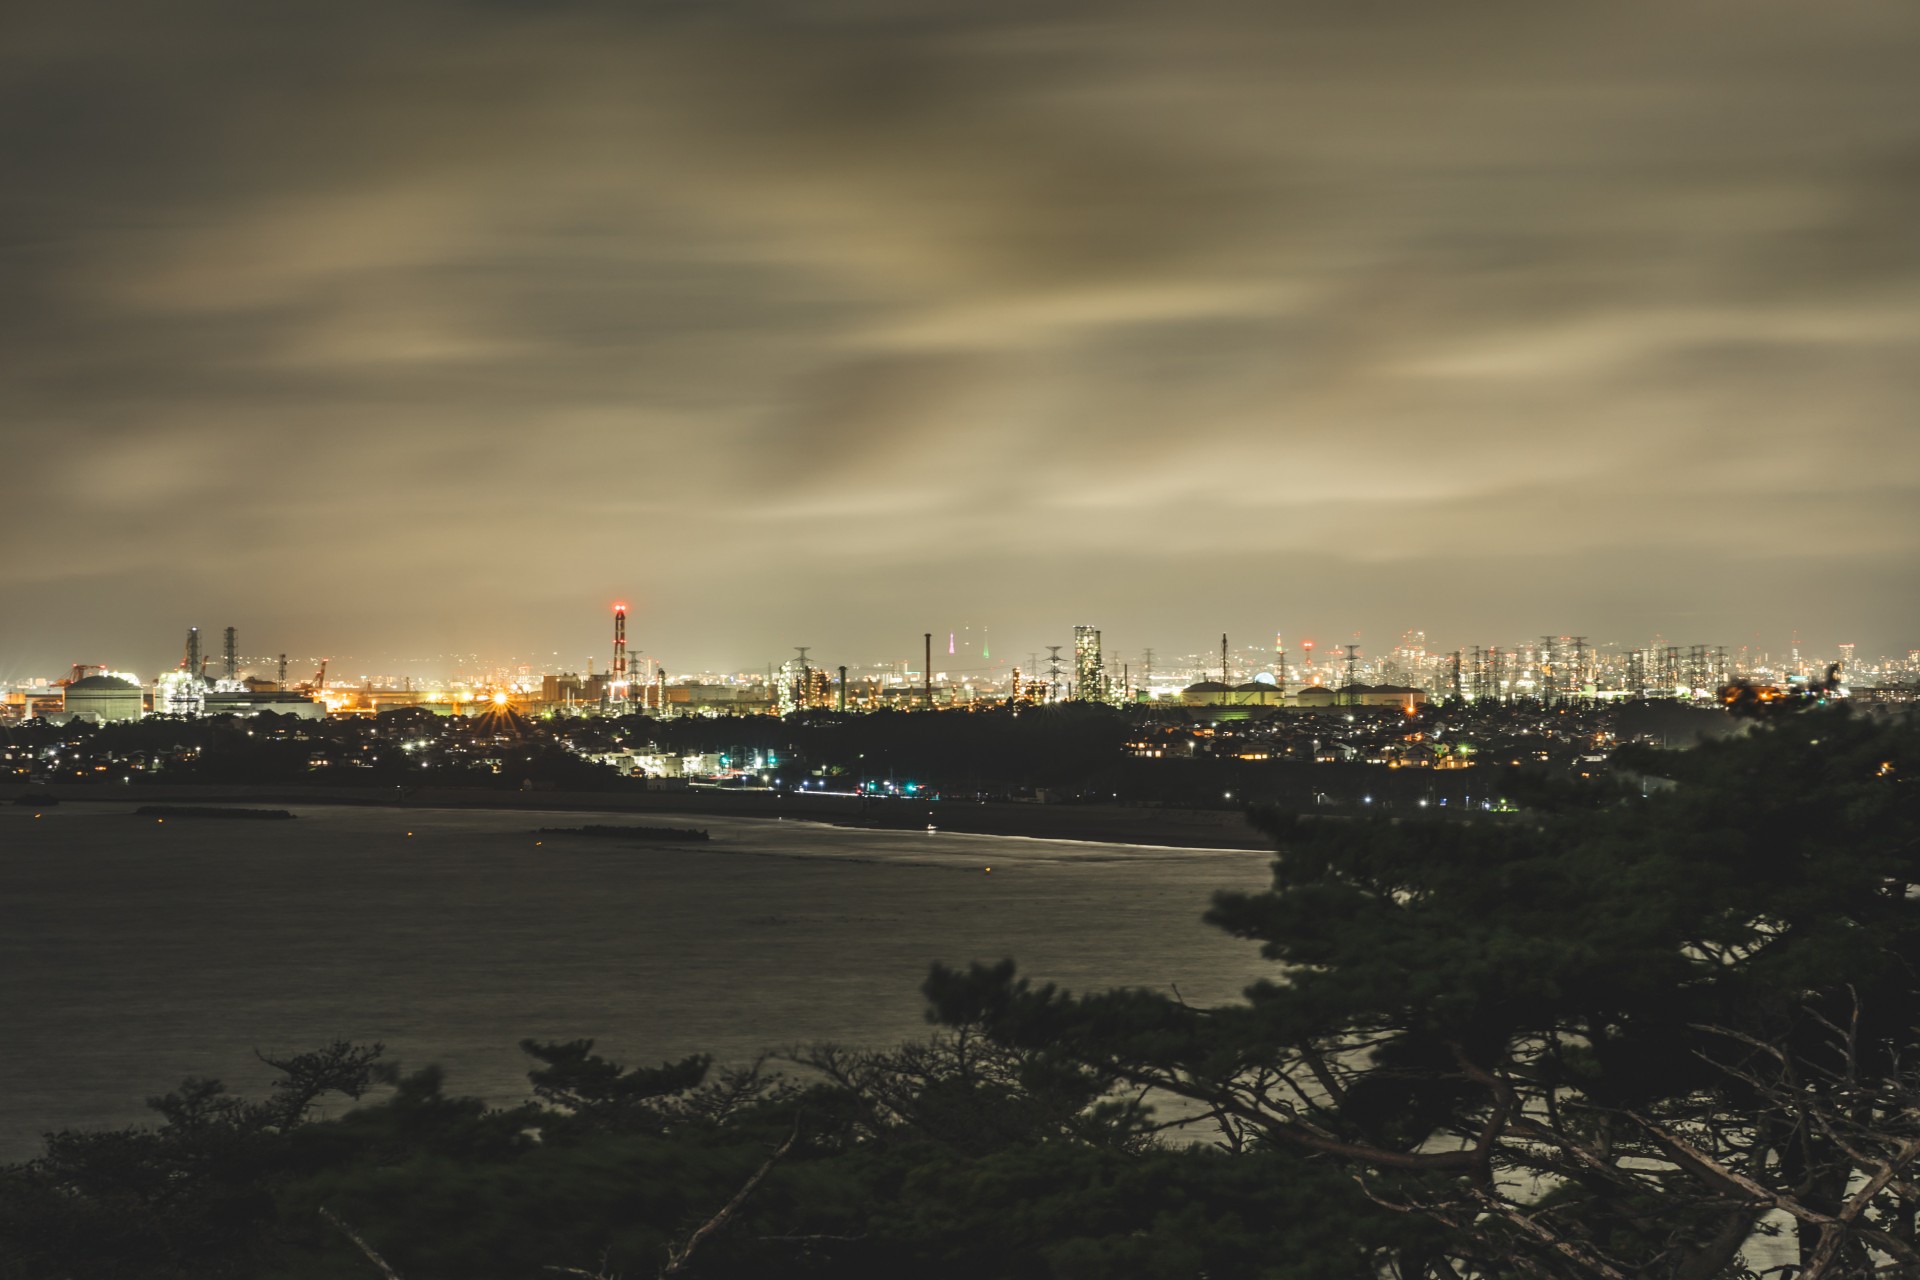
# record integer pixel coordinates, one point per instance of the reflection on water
(134, 953)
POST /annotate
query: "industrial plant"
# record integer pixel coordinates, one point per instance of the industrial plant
(1222, 686)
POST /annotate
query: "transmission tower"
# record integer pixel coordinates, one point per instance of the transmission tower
(1353, 660)
(805, 686)
(1053, 672)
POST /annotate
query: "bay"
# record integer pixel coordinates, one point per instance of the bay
(136, 952)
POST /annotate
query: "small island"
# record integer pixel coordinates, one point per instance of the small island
(669, 834)
(211, 811)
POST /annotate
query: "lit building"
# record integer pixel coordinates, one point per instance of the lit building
(793, 691)
(246, 702)
(29, 704)
(179, 693)
(1370, 695)
(1089, 683)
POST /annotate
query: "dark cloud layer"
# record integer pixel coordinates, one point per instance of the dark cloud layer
(410, 329)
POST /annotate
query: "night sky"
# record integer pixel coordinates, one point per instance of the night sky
(393, 330)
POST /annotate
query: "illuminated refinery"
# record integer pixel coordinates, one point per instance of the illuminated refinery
(1230, 684)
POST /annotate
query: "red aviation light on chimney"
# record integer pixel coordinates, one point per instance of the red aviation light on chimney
(617, 687)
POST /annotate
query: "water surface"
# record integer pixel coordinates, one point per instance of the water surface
(134, 953)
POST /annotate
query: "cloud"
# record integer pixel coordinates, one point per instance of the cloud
(721, 300)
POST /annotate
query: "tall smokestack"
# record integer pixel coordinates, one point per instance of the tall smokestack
(192, 663)
(618, 685)
(232, 653)
(927, 675)
(843, 689)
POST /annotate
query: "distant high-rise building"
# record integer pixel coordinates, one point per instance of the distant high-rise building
(1088, 681)
(790, 686)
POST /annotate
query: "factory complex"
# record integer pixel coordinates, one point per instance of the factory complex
(1247, 684)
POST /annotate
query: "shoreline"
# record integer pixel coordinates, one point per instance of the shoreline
(1092, 823)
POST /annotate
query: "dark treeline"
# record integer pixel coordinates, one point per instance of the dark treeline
(1619, 1037)
(996, 751)
(1072, 752)
(954, 1158)
(404, 748)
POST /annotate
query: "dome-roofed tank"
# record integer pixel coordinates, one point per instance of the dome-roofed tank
(105, 698)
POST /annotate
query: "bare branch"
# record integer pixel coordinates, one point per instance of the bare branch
(1557, 1244)
(332, 1219)
(677, 1259)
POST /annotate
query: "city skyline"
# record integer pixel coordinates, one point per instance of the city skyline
(968, 659)
(409, 329)
(579, 634)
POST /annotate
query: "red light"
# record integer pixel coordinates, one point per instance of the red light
(619, 608)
